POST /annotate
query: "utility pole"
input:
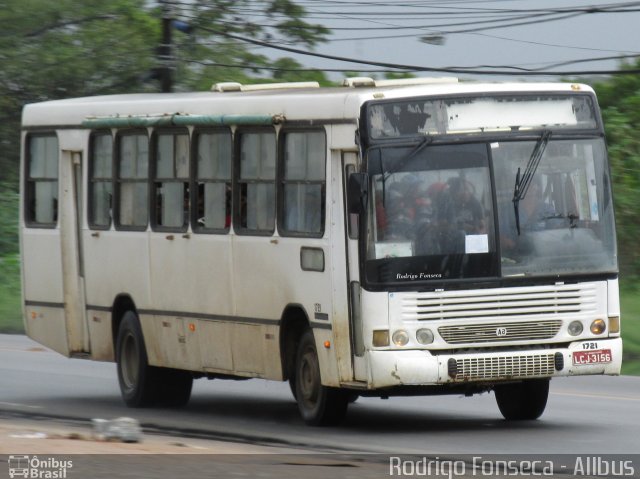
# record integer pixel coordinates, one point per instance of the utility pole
(165, 57)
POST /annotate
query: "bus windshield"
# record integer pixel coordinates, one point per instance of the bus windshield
(440, 212)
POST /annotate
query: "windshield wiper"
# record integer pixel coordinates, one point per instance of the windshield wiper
(397, 166)
(522, 183)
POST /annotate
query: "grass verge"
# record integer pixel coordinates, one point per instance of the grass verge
(10, 307)
(630, 306)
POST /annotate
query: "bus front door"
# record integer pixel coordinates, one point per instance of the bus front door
(349, 165)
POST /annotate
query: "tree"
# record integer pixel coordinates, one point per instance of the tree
(222, 42)
(620, 101)
(71, 48)
(289, 70)
(53, 50)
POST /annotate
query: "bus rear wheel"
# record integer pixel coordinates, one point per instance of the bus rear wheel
(318, 405)
(523, 401)
(142, 385)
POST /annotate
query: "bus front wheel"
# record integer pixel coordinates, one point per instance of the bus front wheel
(319, 405)
(142, 385)
(522, 401)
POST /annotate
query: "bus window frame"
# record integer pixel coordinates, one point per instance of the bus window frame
(118, 181)
(154, 180)
(30, 221)
(91, 181)
(238, 181)
(195, 180)
(282, 182)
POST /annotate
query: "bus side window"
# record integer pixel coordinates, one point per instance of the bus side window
(256, 183)
(42, 181)
(132, 181)
(303, 184)
(171, 180)
(101, 180)
(213, 156)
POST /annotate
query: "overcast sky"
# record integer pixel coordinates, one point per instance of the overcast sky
(579, 36)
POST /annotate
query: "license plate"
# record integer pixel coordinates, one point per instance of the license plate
(584, 358)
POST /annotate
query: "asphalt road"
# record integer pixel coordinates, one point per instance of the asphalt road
(585, 415)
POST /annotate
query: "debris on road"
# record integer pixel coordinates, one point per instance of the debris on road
(124, 429)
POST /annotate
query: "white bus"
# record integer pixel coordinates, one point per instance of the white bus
(383, 238)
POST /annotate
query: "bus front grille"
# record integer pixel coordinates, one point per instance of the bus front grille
(497, 332)
(505, 367)
(501, 303)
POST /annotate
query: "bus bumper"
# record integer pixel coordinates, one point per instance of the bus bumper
(423, 368)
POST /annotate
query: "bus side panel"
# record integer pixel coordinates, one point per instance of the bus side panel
(42, 288)
(170, 341)
(191, 273)
(191, 276)
(262, 286)
(215, 346)
(115, 262)
(102, 347)
(271, 278)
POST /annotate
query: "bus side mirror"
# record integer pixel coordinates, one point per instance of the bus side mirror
(357, 192)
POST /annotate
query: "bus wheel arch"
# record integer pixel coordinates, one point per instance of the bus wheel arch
(121, 305)
(293, 324)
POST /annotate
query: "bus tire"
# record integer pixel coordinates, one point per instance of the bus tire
(142, 385)
(292, 386)
(318, 405)
(138, 383)
(524, 401)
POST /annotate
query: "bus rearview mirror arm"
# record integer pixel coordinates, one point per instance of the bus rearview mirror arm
(357, 192)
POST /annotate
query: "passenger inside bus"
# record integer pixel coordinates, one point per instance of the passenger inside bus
(399, 211)
(458, 213)
(459, 208)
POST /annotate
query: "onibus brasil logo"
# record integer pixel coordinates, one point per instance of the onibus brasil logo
(35, 468)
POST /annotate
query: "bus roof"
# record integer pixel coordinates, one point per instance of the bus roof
(323, 104)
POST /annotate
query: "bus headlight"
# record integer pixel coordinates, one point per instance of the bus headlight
(598, 326)
(424, 336)
(400, 337)
(575, 328)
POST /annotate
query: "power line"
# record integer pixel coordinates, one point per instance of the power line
(418, 68)
(573, 47)
(246, 66)
(435, 29)
(478, 69)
